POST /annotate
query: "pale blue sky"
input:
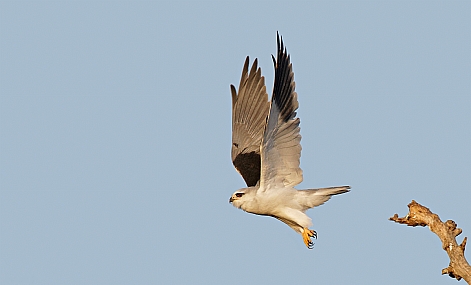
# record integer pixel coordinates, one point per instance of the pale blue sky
(115, 121)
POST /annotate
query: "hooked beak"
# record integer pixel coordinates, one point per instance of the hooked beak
(230, 200)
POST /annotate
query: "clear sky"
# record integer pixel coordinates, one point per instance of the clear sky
(115, 122)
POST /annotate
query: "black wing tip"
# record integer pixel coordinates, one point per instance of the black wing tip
(253, 68)
(254, 65)
(284, 81)
(282, 52)
(246, 65)
(280, 45)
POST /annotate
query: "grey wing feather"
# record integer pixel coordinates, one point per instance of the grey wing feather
(281, 148)
(249, 112)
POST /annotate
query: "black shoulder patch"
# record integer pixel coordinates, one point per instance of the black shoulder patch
(248, 165)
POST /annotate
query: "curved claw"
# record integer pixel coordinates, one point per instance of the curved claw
(307, 235)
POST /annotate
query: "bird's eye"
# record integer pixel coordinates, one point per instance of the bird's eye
(238, 195)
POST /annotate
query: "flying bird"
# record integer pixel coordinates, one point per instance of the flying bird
(266, 149)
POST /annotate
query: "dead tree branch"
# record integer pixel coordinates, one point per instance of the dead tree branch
(447, 232)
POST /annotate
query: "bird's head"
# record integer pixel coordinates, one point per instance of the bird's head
(241, 196)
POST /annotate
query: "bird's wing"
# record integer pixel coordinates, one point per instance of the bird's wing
(281, 148)
(249, 114)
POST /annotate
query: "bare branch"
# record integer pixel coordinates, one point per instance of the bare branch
(447, 232)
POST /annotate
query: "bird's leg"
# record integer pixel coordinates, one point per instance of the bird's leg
(307, 235)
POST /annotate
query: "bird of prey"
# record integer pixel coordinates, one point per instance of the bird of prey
(266, 149)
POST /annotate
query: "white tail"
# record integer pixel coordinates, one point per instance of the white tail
(311, 198)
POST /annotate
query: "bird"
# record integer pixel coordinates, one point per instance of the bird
(266, 148)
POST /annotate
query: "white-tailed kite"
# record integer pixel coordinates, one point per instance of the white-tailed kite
(266, 149)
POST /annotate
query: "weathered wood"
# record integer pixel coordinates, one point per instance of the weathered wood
(447, 232)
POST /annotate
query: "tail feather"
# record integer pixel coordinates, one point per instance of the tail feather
(311, 198)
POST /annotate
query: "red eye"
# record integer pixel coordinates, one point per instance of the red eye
(238, 195)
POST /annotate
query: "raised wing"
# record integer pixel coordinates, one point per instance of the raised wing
(281, 148)
(249, 115)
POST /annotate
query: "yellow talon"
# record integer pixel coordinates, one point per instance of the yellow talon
(307, 235)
